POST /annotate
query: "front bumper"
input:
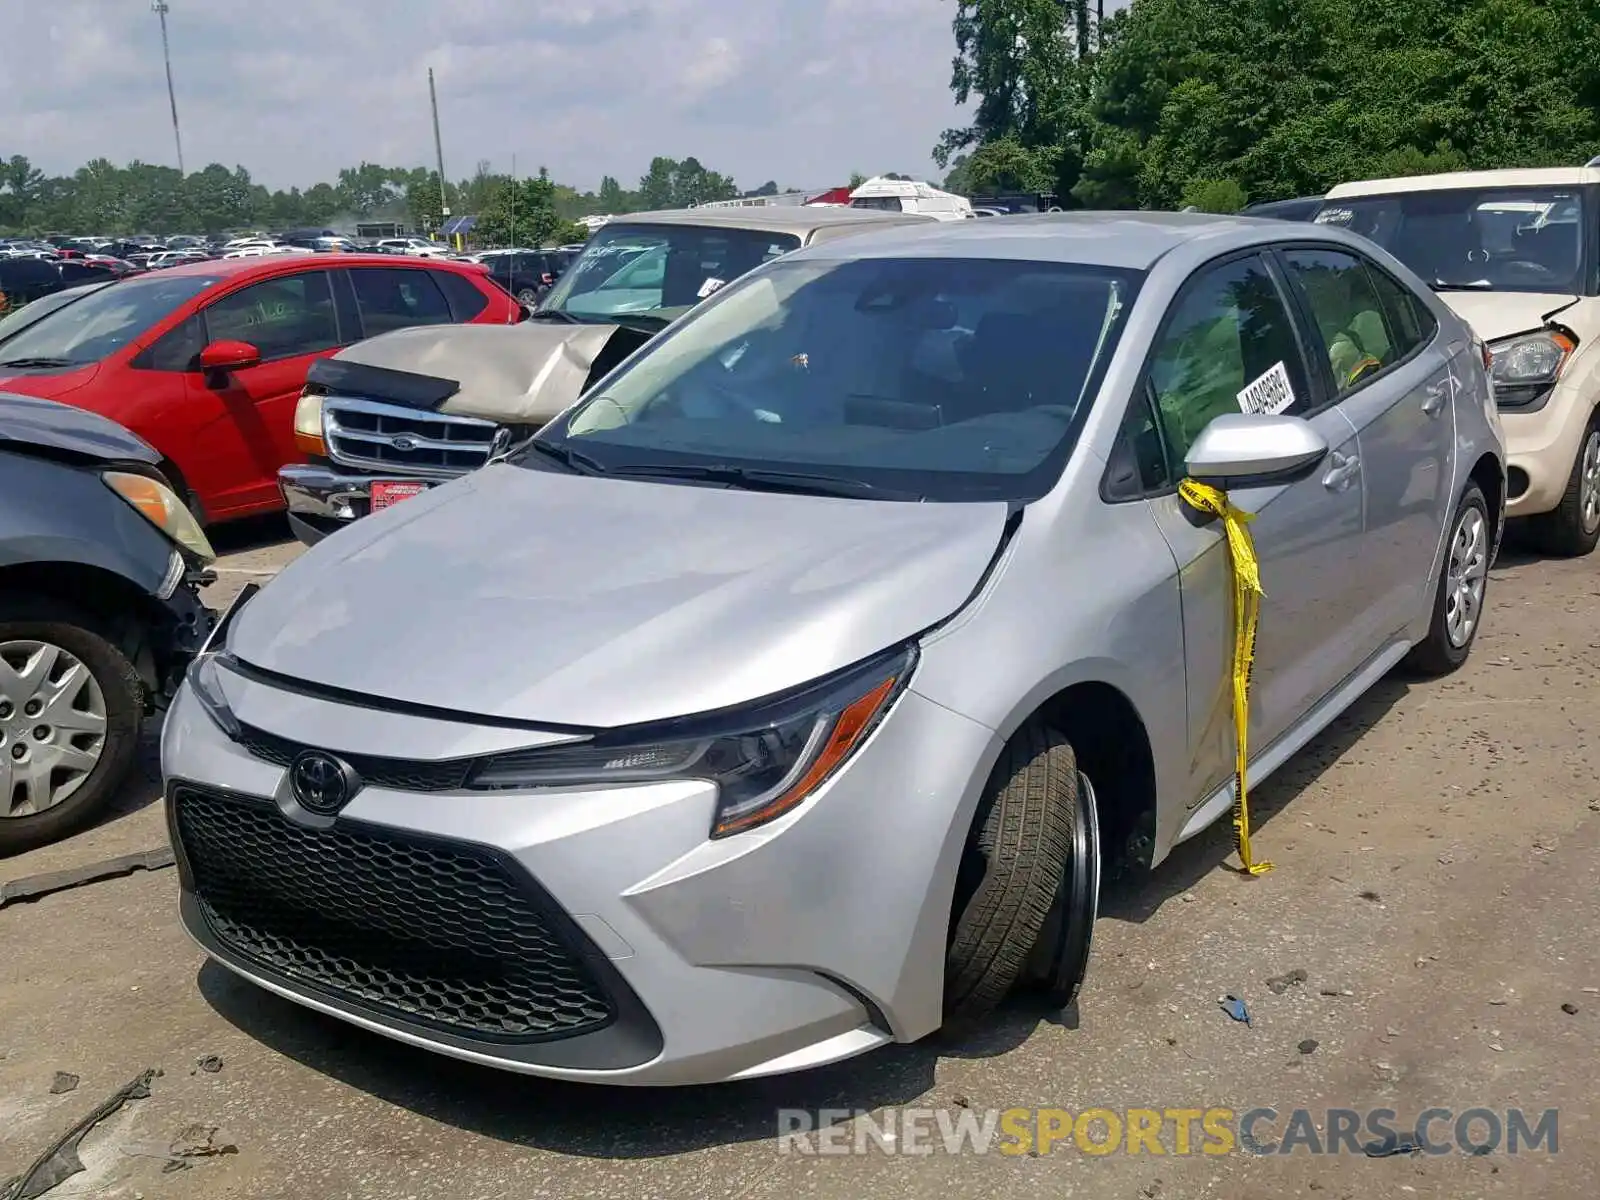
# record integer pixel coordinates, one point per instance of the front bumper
(1541, 447)
(810, 940)
(323, 499)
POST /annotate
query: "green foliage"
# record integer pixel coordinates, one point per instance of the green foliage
(1171, 99)
(140, 198)
(1214, 195)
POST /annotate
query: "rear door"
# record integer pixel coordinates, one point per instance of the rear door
(1229, 328)
(1381, 354)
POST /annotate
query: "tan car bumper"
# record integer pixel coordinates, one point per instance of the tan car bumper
(1541, 448)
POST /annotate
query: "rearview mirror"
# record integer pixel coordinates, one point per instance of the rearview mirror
(229, 356)
(1236, 448)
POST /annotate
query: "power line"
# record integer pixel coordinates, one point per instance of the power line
(161, 8)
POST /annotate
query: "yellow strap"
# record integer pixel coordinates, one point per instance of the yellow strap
(1246, 576)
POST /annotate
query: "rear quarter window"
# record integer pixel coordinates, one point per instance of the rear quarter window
(466, 299)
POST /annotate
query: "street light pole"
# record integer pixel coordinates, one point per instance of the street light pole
(160, 8)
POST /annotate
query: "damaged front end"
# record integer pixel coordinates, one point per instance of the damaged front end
(390, 417)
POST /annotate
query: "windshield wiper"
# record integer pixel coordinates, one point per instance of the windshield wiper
(1476, 285)
(554, 314)
(37, 361)
(575, 461)
(760, 479)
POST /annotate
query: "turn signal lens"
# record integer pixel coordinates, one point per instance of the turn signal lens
(308, 425)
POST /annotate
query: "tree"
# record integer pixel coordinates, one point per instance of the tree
(522, 212)
(612, 198)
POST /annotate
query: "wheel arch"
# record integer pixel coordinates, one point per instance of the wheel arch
(123, 612)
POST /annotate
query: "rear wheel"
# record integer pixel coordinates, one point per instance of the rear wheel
(1463, 583)
(70, 709)
(1011, 872)
(1572, 528)
(528, 296)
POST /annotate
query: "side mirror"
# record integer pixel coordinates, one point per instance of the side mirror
(225, 356)
(1242, 448)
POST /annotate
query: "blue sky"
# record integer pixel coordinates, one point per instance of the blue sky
(801, 91)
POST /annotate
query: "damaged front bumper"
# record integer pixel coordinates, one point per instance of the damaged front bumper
(324, 498)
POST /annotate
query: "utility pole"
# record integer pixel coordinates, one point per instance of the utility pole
(438, 146)
(160, 8)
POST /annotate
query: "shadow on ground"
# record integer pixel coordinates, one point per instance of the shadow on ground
(585, 1119)
(252, 533)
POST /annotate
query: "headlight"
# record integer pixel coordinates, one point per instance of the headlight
(1526, 367)
(308, 425)
(160, 505)
(765, 759)
(204, 672)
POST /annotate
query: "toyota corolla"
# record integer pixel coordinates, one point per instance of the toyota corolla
(781, 699)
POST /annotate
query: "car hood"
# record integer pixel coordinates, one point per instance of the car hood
(1496, 315)
(529, 595)
(48, 425)
(46, 383)
(524, 373)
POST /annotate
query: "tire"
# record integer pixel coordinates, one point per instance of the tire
(27, 622)
(1012, 871)
(1572, 528)
(1467, 549)
(1062, 953)
(528, 296)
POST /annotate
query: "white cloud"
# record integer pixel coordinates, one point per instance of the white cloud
(791, 90)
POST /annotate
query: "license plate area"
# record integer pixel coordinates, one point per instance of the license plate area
(389, 492)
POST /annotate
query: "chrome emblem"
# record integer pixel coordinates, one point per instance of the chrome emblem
(321, 783)
(403, 442)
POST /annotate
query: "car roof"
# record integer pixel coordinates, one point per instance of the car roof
(801, 219)
(284, 264)
(1518, 177)
(1123, 240)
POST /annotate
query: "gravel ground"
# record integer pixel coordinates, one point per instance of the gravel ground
(1437, 881)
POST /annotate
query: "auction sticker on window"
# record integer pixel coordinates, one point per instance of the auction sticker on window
(1271, 393)
(708, 287)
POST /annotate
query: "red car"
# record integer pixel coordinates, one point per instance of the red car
(206, 361)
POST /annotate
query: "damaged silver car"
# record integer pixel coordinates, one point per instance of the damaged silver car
(397, 414)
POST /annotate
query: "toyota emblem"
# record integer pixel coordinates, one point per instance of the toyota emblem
(321, 783)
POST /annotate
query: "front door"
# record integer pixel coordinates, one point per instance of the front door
(1230, 345)
(248, 431)
(1392, 375)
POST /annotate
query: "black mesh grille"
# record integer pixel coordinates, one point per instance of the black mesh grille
(402, 774)
(436, 932)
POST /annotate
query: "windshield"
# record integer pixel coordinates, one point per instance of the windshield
(660, 271)
(105, 322)
(878, 203)
(946, 379)
(1515, 239)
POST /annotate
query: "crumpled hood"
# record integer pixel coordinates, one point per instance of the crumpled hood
(524, 373)
(74, 431)
(551, 598)
(1496, 315)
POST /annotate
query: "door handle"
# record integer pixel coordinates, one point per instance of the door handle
(1344, 469)
(1433, 400)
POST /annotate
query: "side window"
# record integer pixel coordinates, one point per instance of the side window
(1229, 346)
(176, 350)
(1138, 464)
(283, 317)
(1357, 332)
(397, 298)
(1409, 319)
(466, 301)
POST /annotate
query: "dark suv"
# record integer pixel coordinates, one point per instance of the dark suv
(26, 279)
(528, 274)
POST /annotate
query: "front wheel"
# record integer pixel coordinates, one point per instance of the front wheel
(70, 708)
(1011, 871)
(1463, 583)
(1572, 528)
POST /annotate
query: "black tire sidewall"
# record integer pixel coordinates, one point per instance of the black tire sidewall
(41, 620)
(1439, 654)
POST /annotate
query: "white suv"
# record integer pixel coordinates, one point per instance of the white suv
(1517, 253)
